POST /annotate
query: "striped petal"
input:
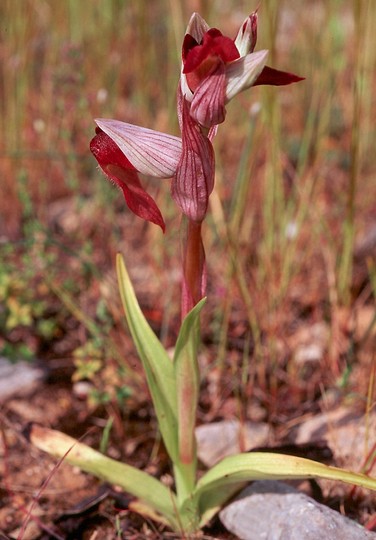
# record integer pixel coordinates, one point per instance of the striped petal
(120, 171)
(246, 39)
(243, 73)
(194, 180)
(197, 27)
(208, 103)
(150, 152)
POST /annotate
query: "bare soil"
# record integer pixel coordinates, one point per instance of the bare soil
(43, 500)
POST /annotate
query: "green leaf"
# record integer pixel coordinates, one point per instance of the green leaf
(187, 378)
(138, 483)
(214, 500)
(265, 466)
(158, 367)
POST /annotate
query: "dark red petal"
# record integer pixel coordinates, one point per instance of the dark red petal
(107, 152)
(188, 43)
(276, 78)
(118, 168)
(253, 19)
(213, 44)
(137, 199)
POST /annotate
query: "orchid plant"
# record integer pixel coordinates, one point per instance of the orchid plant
(215, 69)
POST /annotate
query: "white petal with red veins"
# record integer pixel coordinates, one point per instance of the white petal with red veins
(194, 180)
(150, 152)
(208, 104)
(246, 39)
(197, 27)
(242, 73)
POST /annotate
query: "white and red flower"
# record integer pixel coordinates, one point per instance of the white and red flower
(215, 68)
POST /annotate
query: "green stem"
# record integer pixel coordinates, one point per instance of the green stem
(185, 480)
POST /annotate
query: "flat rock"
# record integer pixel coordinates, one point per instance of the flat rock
(349, 433)
(220, 439)
(18, 378)
(272, 510)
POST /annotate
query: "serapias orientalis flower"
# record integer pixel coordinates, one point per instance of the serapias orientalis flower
(215, 69)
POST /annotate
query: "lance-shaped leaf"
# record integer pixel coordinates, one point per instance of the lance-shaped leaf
(214, 500)
(264, 466)
(187, 389)
(158, 367)
(155, 496)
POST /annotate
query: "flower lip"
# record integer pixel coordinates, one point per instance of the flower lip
(213, 45)
(204, 58)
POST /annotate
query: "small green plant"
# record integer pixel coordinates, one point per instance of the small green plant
(22, 306)
(195, 501)
(106, 378)
(215, 69)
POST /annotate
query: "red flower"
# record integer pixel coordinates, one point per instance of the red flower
(215, 68)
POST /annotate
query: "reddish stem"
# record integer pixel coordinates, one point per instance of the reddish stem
(194, 269)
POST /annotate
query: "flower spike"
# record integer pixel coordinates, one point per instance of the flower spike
(215, 69)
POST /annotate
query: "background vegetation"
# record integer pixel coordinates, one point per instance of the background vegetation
(291, 234)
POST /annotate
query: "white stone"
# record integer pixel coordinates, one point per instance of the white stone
(271, 510)
(220, 439)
